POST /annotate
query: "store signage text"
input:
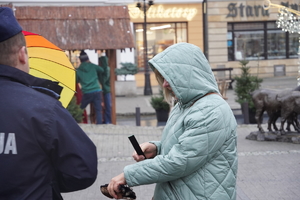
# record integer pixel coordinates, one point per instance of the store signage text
(246, 10)
(162, 12)
(292, 6)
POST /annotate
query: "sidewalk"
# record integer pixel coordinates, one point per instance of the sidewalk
(266, 170)
(126, 106)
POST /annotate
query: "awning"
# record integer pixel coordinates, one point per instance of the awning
(73, 28)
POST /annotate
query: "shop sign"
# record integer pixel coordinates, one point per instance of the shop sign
(292, 6)
(246, 10)
(253, 11)
(163, 13)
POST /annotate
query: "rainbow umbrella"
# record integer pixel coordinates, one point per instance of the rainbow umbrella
(50, 62)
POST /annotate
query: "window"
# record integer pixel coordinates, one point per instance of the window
(260, 40)
(276, 44)
(248, 45)
(293, 45)
(159, 37)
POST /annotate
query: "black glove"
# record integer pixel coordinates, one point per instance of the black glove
(126, 191)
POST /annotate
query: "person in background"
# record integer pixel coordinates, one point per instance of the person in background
(43, 151)
(88, 75)
(105, 82)
(196, 157)
(78, 95)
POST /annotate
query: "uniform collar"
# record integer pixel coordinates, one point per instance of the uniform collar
(43, 85)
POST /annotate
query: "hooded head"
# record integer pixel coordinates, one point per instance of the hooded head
(9, 25)
(83, 57)
(186, 69)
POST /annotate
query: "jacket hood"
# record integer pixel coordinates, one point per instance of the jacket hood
(187, 71)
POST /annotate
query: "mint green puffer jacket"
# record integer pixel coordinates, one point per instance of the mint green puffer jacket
(197, 156)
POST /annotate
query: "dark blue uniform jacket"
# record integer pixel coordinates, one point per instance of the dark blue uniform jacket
(43, 151)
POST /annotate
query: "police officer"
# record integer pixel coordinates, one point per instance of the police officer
(43, 151)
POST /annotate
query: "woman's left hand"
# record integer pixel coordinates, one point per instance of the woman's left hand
(149, 149)
(113, 186)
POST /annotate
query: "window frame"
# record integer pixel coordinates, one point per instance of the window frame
(231, 29)
(176, 27)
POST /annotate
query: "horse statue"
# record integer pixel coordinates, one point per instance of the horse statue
(271, 101)
(290, 107)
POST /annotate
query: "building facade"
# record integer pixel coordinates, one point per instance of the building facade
(167, 24)
(226, 31)
(239, 30)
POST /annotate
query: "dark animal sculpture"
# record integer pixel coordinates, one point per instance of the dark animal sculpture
(290, 104)
(267, 100)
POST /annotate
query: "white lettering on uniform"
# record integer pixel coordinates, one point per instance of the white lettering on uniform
(10, 146)
(1, 142)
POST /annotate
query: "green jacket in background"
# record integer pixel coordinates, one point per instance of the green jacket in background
(197, 155)
(88, 75)
(105, 77)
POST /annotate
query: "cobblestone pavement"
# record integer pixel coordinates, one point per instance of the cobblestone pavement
(266, 171)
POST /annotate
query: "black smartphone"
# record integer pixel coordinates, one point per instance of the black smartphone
(136, 145)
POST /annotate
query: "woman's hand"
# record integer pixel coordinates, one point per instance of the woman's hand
(149, 150)
(113, 186)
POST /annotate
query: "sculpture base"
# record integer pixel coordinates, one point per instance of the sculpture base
(292, 137)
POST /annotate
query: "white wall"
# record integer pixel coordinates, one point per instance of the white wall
(93, 56)
(125, 56)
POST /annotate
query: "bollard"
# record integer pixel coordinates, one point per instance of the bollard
(245, 111)
(137, 116)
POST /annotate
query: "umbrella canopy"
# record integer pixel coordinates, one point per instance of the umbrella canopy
(48, 61)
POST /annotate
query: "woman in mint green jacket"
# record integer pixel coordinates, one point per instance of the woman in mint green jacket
(196, 157)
